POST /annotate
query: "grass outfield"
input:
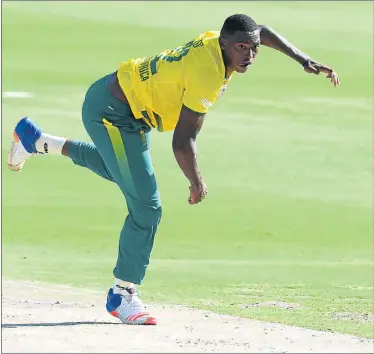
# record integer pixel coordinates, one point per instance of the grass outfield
(286, 156)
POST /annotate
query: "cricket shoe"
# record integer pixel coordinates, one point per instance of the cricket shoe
(128, 307)
(25, 134)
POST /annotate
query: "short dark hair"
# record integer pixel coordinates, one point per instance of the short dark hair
(238, 22)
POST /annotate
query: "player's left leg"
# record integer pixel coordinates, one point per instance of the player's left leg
(29, 140)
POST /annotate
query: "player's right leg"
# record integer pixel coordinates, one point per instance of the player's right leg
(123, 142)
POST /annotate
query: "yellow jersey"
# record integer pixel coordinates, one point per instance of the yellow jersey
(192, 75)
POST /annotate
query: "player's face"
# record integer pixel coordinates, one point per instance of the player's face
(241, 50)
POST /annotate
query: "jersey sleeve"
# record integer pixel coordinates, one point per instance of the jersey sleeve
(202, 89)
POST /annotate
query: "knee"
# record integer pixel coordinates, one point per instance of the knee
(147, 217)
(156, 215)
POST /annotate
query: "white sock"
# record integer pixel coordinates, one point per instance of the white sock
(49, 144)
(121, 284)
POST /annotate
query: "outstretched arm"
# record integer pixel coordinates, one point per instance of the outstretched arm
(272, 39)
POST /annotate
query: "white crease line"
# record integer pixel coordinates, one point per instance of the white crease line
(54, 288)
(17, 94)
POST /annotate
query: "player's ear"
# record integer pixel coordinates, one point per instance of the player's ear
(222, 42)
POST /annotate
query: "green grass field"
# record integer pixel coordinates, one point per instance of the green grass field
(287, 157)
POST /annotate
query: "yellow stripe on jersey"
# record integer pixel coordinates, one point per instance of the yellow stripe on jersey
(192, 75)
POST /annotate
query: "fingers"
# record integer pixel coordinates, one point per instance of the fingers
(197, 194)
(195, 199)
(191, 199)
(316, 68)
(333, 76)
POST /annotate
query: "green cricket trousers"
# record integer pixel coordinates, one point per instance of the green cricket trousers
(120, 153)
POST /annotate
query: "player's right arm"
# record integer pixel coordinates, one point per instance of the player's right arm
(202, 86)
(185, 151)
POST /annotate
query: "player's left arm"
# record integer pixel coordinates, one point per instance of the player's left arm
(272, 39)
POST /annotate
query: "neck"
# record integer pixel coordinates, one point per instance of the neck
(226, 62)
(228, 69)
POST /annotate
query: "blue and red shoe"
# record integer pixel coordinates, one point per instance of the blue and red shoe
(25, 135)
(128, 307)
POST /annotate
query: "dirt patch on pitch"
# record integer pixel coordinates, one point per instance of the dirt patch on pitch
(40, 318)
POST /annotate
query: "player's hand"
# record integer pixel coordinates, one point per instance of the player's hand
(312, 67)
(197, 193)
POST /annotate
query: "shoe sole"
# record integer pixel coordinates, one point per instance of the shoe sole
(15, 168)
(150, 321)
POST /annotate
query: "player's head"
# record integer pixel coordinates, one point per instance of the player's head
(239, 41)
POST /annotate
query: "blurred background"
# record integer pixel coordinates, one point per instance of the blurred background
(288, 160)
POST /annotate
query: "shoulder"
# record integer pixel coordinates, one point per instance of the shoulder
(205, 55)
